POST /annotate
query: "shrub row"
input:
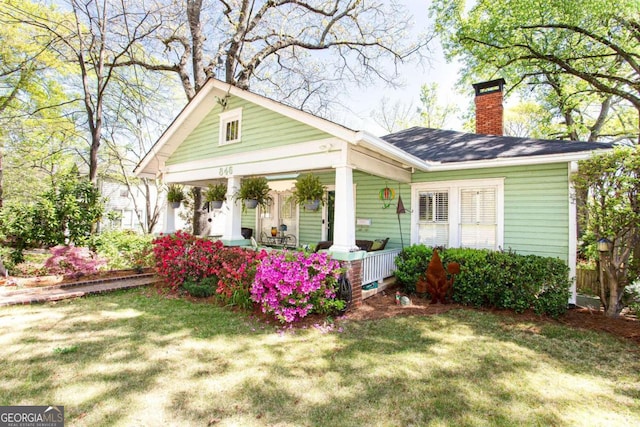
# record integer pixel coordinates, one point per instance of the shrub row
(494, 279)
(284, 284)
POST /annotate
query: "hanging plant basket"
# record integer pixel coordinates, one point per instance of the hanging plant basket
(312, 205)
(254, 191)
(309, 192)
(216, 195)
(250, 203)
(175, 195)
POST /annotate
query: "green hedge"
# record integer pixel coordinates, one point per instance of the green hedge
(494, 279)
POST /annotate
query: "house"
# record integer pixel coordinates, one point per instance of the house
(126, 206)
(479, 190)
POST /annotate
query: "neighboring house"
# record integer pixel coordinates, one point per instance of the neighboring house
(125, 210)
(458, 189)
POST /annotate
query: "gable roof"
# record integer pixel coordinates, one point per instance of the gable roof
(213, 92)
(420, 148)
(447, 146)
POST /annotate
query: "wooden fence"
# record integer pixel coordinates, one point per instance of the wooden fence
(587, 282)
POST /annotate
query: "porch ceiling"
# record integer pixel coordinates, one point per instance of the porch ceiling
(377, 164)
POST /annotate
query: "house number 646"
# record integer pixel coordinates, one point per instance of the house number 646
(226, 171)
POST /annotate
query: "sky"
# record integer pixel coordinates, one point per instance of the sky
(361, 102)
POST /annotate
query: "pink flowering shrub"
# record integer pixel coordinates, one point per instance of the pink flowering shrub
(73, 261)
(291, 285)
(182, 256)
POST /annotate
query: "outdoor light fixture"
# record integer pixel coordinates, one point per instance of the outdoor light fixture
(604, 245)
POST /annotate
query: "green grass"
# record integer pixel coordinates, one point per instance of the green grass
(135, 359)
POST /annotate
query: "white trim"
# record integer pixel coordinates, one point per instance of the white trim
(226, 118)
(324, 147)
(572, 256)
(511, 161)
(454, 187)
(390, 150)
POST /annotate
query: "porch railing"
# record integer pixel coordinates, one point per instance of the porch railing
(379, 265)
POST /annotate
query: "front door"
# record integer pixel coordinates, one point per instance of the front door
(278, 222)
(331, 201)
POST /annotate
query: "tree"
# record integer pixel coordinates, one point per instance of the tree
(589, 48)
(95, 37)
(394, 116)
(612, 181)
(297, 51)
(65, 213)
(432, 113)
(400, 115)
(36, 136)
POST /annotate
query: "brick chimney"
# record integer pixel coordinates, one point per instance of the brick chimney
(489, 107)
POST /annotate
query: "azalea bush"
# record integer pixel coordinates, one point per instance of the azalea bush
(235, 268)
(182, 257)
(73, 261)
(291, 285)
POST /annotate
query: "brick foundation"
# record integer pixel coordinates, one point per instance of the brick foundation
(354, 274)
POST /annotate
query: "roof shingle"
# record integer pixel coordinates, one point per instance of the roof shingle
(447, 146)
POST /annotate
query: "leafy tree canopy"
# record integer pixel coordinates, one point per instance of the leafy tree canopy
(612, 180)
(582, 52)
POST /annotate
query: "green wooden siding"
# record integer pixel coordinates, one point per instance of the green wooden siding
(384, 222)
(536, 208)
(261, 128)
(536, 205)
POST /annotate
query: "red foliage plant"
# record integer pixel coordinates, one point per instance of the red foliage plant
(437, 284)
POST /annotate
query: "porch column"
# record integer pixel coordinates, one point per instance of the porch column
(344, 228)
(232, 235)
(169, 219)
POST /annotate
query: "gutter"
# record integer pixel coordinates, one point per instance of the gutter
(388, 149)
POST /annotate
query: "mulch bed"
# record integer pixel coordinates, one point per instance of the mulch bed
(382, 305)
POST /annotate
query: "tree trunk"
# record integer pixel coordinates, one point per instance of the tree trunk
(197, 210)
(611, 292)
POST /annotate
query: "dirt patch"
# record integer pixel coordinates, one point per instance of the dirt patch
(383, 305)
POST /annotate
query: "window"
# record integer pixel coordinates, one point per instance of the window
(230, 127)
(459, 213)
(434, 218)
(478, 223)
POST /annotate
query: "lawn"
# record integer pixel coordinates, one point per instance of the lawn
(135, 358)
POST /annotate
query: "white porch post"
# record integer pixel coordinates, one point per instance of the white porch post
(232, 235)
(344, 231)
(169, 219)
